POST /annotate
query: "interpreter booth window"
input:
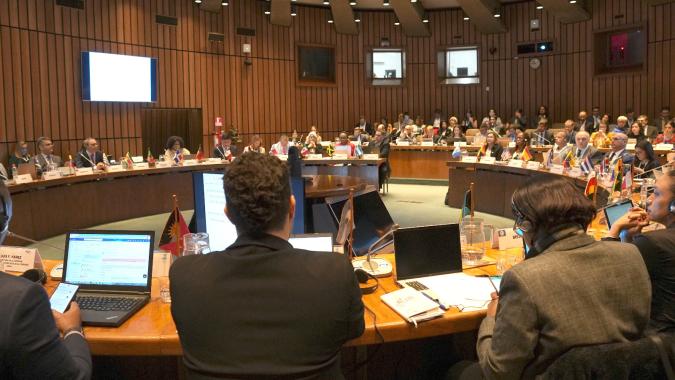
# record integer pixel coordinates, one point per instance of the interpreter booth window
(387, 66)
(459, 65)
(620, 51)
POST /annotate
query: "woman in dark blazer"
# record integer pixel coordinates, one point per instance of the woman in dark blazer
(493, 148)
(645, 159)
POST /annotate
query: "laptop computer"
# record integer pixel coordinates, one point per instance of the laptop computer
(113, 270)
(312, 242)
(429, 260)
(28, 169)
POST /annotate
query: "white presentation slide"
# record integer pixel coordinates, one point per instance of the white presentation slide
(120, 78)
(222, 233)
(102, 259)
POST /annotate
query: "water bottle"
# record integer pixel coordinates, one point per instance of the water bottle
(15, 171)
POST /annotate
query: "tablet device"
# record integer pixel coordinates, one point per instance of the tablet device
(617, 210)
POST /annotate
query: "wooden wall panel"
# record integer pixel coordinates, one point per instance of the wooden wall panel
(40, 44)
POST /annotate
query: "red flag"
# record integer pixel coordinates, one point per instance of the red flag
(216, 139)
(172, 235)
(200, 154)
(526, 155)
(591, 187)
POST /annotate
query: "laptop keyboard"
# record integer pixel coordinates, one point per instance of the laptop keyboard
(416, 285)
(107, 303)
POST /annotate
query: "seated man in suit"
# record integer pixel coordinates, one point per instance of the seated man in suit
(30, 345)
(571, 133)
(382, 143)
(650, 131)
(560, 148)
(583, 148)
(585, 123)
(541, 135)
(226, 150)
(359, 137)
(46, 160)
(618, 150)
(262, 308)
(90, 156)
(365, 126)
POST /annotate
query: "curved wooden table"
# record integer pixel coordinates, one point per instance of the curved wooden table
(325, 186)
(152, 332)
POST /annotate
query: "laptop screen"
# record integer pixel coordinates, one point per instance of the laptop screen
(427, 251)
(115, 260)
(313, 242)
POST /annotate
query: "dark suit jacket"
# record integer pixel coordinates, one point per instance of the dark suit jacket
(658, 251)
(30, 346)
(652, 132)
(496, 151)
(82, 159)
(588, 125)
(262, 307)
(626, 157)
(40, 161)
(218, 151)
(368, 128)
(534, 137)
(564, 298)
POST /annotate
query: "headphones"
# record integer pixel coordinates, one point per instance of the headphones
(5, 211)
(362, 276)
(37, 276)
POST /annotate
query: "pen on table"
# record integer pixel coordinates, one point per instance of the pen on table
(438, 301)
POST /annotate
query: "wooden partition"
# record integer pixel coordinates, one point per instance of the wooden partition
(40, 45)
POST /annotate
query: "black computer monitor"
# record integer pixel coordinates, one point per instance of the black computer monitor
(371, 219)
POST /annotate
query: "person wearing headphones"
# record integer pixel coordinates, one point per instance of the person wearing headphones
(261, 308)
(657, 248)
(570, 290)
(35, 341)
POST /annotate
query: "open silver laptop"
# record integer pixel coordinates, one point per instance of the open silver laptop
(312, 242)
(113, 270)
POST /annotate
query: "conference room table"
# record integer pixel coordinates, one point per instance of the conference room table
(428, 162)
(152, 332)
(46, 208)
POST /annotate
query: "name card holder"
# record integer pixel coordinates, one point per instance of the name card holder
(282, 157)
(84, 171)
(142, 165)
(630, 146)
(460, 143)
(488, 160)
(136, 159)
(53, 174)
(556, 169)
(20, 259)
(427, 143)
(506, 239)
(214, 160)
(114, 168)
(403, 143)
(512, 144)
(575, 172)
(664, 147)
(314, 156)
(190, 162)
(163, 164)
(532, 165)
(470, 159)
(340, 156)
(516, 163)
(371, 156)
(23, 178)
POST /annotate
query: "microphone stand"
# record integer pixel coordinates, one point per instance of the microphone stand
(543, 138)
(656, 168)
(376, 266)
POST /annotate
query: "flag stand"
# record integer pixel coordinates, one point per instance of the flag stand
(350, 239)
(473, 197)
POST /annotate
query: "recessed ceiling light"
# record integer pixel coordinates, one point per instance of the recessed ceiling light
(224, 3)
(294, 10)
(573, 1)
(466, 18)
(357, 19)
(497, 15)
(540, 7)
(397, 23)
(352, 2)
(330, 20)
(198, 1)
(385, 3)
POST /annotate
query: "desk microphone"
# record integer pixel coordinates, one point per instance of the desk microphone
(544, 138)
(656, 168)
(495, 131)
(374, 266)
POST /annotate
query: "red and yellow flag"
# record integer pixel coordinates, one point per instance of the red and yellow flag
(200, 154)
(591, 187)
(172, 235)
(527, 155)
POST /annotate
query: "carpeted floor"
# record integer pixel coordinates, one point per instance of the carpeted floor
(409, 205)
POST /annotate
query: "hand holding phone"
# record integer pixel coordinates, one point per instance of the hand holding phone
(61, 298)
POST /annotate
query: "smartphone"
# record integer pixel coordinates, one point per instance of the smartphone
(62, 296)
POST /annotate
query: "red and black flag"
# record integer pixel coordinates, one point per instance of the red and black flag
(175, 228)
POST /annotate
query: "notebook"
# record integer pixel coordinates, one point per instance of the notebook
(113, 270)
(429, 260)
(413, 306)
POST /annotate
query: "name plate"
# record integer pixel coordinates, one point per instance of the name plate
(575, 172)
(314, 156)
(282, 157)
(114, 168)
(512, 144)
(325, 143)
(427, 143)
(516, 163)
(488, 160)
(340, 156)
(142, 165)
(532, 165)
(460, 143)
(470, 159)
(136, 159)
(19, 259)
(23, 178)
(556, 169)
(664, 147)
(53, 174)
(371, 156)
(507, 238)
(214, 160)
(163, 164)
(403, 143)
(630, 146)
(190, 162)
(83, 171)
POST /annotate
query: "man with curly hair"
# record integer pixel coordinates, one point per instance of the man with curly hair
(261, 308)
